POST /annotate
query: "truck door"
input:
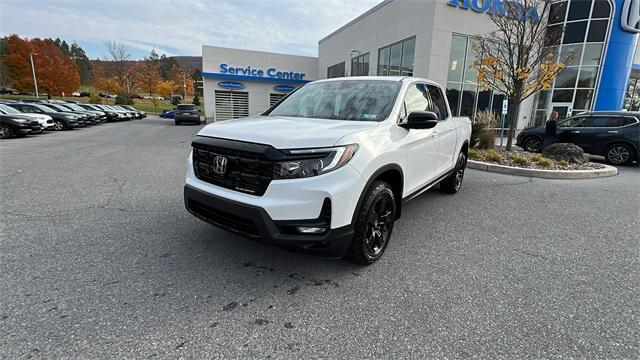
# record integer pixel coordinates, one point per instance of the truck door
(445, 131)
(419, 145)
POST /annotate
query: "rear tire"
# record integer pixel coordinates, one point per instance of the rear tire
(5, 132)
(532, 144)
(619, 154)
(374, 224)
(177, 122)
(453, 182)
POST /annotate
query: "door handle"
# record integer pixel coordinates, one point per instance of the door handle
(612, 132)
(575, 132)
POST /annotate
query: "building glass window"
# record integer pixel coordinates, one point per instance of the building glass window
(586, 26)
(632, 97)
(456, 57)
(453, 96)
(574, 32)
(360, 65)
(336, 70)
(397, 59)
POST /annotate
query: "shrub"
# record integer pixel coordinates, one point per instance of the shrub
(124, 100)
(473, 154)
(563, 163)
(492, 155)
(196, 100)
(487, 139)
(520, 160)
(544, 162)
(536, 158)
(95, 99)
(175, 100)
(483, 120)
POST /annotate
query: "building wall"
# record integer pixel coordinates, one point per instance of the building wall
(258, 91)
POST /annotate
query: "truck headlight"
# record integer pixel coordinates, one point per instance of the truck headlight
(313, 162)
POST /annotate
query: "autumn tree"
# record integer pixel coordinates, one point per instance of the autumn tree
(165, 88)
(147, 76)
(182, 79)
(513, 58)
(121, 66)
(56, 74)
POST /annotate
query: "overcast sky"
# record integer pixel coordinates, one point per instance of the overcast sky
(181, 27)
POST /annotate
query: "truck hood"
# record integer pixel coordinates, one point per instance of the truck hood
(286, 132)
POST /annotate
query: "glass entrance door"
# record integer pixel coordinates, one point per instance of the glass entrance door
(564, 110)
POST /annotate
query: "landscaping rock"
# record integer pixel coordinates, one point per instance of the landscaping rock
(565, 151)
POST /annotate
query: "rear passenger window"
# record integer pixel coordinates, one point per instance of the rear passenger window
(607, 122)
(438, 103)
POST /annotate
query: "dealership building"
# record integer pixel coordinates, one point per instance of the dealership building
(434, 39)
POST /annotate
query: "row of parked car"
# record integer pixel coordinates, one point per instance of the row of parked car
(32, 116)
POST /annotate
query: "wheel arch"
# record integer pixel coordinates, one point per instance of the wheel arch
(391, 174)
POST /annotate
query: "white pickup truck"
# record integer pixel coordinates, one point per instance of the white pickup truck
(327, 168)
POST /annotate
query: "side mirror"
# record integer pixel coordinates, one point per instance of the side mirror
(421, 120)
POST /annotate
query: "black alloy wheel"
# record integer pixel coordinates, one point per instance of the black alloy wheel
(453, 182)
(374, 224)
(532, 144)
(5, 132)
(619, 154)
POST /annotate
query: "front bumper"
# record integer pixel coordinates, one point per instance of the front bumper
(254, 222)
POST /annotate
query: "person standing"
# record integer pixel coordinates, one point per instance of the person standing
(550, 129)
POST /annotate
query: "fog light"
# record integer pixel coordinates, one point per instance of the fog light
(310, 229)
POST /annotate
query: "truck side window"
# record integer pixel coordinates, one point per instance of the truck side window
(439, 104)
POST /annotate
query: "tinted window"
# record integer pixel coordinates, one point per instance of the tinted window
(439, 104)
(186, 107)
(557, 12)
(601, 9)
(597, 31)
(416, 99)
(574, 32)
(607, 121)
(341, 100)
(574, 122)
(579, 9)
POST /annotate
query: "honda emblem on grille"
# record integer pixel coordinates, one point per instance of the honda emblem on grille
(220, 165)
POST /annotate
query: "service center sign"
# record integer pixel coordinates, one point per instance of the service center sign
(260, 73)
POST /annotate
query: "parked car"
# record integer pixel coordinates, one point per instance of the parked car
(167, 114)
(61, 120)
(186, 113)
(17, 125)
(45, 121)
(8, 91)
(132, 114)
(612, 134)
(88, 118)
(139, 113)
(122, 115)
(108, 115)
(76, 94)
(100, 116)
(328, 168)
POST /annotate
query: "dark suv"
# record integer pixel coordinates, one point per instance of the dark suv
(612, 134)
(186, 113)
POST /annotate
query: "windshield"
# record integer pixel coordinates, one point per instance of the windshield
(57, 107)
(8, 109)
(366, 100)
(75, 107)
(44, 108)
(186, 107)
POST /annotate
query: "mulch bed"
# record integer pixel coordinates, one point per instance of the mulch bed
(509, 158)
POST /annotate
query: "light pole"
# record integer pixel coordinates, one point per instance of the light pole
(33, 71)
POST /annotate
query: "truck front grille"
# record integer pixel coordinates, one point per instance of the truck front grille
(244, 171)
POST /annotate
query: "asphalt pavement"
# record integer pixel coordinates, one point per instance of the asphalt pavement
(99, 259)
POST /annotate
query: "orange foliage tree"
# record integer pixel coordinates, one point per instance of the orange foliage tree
(165, 88)
(514, 59)
(147, 76)
(56, 74)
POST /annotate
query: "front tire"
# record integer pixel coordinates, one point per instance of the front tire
(5, 132)
(619, 154)
(374, 224)
(58, 125)
(453, 182)
(177, 122)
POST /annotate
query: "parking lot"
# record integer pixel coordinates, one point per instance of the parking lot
(99, 259)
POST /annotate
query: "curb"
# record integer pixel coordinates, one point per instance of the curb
(545, 174)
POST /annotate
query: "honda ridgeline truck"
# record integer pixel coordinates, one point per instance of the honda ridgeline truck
(327, 168)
